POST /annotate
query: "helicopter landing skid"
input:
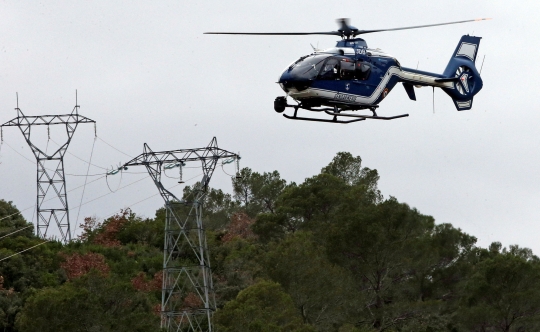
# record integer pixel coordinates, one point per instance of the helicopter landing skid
(334, 120)
(376, 117)
(335, 113)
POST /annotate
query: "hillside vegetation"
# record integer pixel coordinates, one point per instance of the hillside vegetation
(328, 254)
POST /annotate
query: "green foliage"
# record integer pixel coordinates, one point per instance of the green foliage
(11, 220)
(350, 170)
(262, 307)
(236, 266)
(504, 293)
(218, 206)
(326, 254)
(257, 193)
(324, 294)
(91, 303)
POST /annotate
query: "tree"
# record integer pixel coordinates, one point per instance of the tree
(10, 305)
(350, 170)
(342, 184)
(77, 265)
(256, 192)
(263, 307)
(11, 220)
(376, 244)
(218, 206)
(503, 293)
(323, 293)
(90, 303)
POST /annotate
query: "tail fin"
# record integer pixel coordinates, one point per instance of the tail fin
(462, 71)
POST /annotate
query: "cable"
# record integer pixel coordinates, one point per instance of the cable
(147, 198)
(119, 183)
(20, 252)
(1, 237)
(79, 187)
(176, 185)
(165, 172)
(110, 193)
(79, 157)
(33, 206)
(33, 162)
(114, 147)
(225, 172)
(16, 213)
(85, 180)
(86, 175)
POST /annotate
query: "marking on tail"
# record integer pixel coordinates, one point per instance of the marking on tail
(467, 50)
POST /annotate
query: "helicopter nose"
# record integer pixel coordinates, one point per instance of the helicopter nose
(289, 81)
(284, 81)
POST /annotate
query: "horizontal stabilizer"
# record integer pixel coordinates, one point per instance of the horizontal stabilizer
(449, 79)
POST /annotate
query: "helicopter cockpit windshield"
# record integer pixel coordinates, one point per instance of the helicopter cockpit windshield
(308, 68)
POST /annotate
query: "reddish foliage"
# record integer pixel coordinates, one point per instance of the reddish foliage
(239, 227)
(156, 310)
(77, 265)
(6, 292)
(89, 225)
(111, 227)
(192, 301)
(141, 284)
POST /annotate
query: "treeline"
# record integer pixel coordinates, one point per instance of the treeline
(328, 254)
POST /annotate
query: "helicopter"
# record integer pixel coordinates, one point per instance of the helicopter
(353, 77)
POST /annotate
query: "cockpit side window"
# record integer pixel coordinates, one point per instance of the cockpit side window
(330, 69)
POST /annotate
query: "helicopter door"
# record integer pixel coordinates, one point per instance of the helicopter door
(347, 69)
(330, 69)
(362, 71)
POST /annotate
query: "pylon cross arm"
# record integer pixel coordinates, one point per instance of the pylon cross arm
(175, 156)
(47, 120)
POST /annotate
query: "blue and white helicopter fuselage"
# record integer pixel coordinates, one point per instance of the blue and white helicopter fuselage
(352, 76)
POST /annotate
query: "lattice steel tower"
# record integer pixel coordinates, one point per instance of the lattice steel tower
(188, 300)
(52, 203)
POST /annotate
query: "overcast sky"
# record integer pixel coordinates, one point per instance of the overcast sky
(147, 74)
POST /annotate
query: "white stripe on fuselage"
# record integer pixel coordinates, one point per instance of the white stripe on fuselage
(352, 99)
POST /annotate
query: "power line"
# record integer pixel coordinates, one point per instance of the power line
(114, 147)
(98, 174)
(147, 198)
(110, 192)
(1, 237)
(20, 154)
(20, 252)
(80, 157)
(85, 179)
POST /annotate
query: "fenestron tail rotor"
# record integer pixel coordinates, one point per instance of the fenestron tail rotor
(345, 30)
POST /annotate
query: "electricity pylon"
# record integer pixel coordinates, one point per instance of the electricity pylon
(188, 300)
(52, 203)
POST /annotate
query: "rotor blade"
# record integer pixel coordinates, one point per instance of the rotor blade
(360, 32)
(336, 33)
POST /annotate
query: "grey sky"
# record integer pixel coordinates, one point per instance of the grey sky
(146, 73)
